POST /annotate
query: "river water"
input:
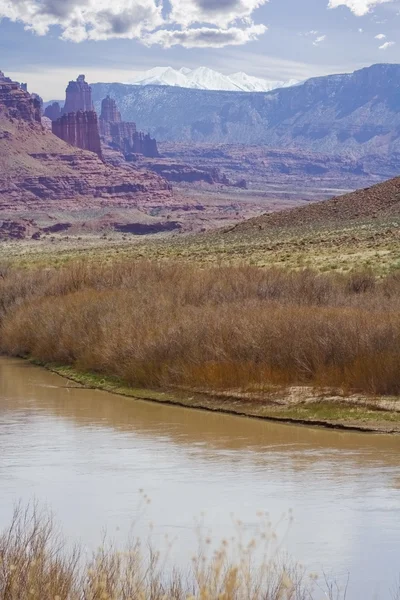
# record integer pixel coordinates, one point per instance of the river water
(88, 454)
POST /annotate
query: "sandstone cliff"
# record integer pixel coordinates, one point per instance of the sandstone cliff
(16, 103)
(109, 111)
(80, 129)
(37, 169)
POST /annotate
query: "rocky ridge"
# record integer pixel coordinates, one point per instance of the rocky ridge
(357, 113)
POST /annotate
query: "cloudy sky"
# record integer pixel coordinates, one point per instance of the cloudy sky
(48, 42)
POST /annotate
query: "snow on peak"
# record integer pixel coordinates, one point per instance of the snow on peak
(204, 78)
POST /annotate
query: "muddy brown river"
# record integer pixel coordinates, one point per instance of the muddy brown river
(88, 454)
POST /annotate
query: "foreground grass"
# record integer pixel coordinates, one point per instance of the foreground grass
(35, 565)
(267, 341)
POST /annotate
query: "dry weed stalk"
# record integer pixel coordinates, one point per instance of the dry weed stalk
(35, 565)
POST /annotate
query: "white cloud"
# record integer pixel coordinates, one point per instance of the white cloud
(85, 19)
(386, 45)
(358, 7)
(380, 36)
(206, 36)
(215, 12)
(319, 40)
(228, 22)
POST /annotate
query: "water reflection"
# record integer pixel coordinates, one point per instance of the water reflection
(87, 453)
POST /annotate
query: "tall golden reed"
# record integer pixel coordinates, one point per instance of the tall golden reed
(163, 324)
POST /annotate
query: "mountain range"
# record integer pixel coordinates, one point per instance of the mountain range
(356, 113)
(204, 78)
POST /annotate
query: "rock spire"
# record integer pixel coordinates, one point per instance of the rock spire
(78, 96)
(109, 111)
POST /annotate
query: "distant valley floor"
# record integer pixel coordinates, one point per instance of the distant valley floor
(212, 187)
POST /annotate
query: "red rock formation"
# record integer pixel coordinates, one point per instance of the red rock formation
(39, 99)
(109, 111)
(78, 96)
(18, 230)
(39, 171)
(122, 135)
(180, 172)
(53, 112)
(144, 144)
(80, 129)
(17, 102)
(114, 132)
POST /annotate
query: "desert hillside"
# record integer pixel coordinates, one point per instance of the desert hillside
(381, 200)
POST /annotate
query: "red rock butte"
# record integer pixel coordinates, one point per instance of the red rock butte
(144, 144)
(78, 123)
(53, 112)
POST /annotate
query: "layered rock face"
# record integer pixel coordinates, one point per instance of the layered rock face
(53, 112)
(183, 173)
(17, 102)
(78, 96)
(80, 129)
(40, 171)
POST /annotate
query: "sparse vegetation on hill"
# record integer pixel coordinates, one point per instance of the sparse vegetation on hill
(377, 201)
(358, 230)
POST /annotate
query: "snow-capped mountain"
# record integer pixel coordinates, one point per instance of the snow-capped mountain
(207, 79)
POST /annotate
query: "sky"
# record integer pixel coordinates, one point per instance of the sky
(48, 42)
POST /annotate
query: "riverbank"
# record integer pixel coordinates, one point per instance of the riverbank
(281, 345)
(300, 406)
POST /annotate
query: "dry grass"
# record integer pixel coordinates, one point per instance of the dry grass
(362, 243)
(35, 565)
(166, 325)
